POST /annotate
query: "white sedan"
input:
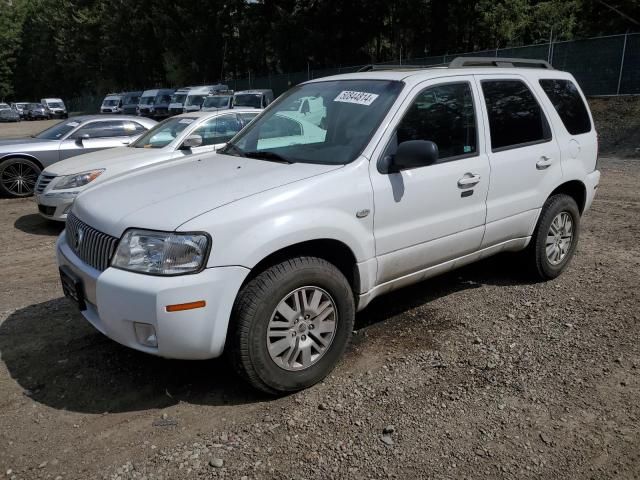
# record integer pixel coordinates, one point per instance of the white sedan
(186, 134)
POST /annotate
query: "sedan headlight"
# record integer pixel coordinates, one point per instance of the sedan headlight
(77, 180)
(161, 253)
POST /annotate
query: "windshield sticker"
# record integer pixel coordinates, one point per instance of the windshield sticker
(73, 124)
(186, 120)
(360, 98)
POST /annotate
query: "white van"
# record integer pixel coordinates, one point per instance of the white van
(56, 106)
(112, 103)
(268, 247)
(190, 99)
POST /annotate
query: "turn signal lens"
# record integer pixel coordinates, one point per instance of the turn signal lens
(186, 306)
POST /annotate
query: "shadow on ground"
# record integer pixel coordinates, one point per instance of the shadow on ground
(61, 361)
(34, 224)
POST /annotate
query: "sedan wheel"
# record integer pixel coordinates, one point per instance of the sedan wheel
(18, 177)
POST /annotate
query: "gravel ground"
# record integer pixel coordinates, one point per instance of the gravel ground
(479, 373)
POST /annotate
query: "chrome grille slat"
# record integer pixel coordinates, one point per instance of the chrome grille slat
(96, 247)
(43, 181)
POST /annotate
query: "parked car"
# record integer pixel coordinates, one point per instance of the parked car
(176, 137)
(56, 107)
(4, 106)
(189, 99)
(8, 114)
(36, 111)
(20, 108)
(112, 103)
(130, 101)
(269, 247)
(253, 98)
(155, 103)
(22, 159)
(217, 102)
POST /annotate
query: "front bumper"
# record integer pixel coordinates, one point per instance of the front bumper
(55, 206)
(115, 299)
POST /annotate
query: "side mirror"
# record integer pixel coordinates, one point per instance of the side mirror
(191, 141)
(410, 154)
(82, 138)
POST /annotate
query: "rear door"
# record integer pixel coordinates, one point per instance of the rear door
(523, 153)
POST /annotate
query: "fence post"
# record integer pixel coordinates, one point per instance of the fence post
(624, 51)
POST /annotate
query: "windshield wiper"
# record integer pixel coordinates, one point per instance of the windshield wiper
(269, 156)
(231, 146)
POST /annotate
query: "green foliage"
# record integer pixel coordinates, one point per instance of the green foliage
(87, 47)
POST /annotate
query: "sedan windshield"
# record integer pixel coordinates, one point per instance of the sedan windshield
(59, 130)
(164, 133)
(323, 122)
(147, 100)
(216, 102)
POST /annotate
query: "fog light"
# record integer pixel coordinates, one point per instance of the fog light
(145, 334)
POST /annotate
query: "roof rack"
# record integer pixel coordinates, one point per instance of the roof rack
(499, 62)
(374, 68)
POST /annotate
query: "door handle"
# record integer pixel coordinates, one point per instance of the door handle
(469, 180)
(544, 162)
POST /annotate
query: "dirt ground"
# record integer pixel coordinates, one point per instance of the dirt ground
(476, 374)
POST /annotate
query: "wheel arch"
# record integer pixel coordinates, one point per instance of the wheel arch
(26, 156)
(576, 190)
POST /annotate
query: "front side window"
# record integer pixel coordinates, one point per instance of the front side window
(163, 133)
(347, 114)
(568, 103)
(443, 114)
(218, 129)
(515, 117)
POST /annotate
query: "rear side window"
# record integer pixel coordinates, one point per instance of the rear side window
(568, 103)
(443, 114)
(515, 117)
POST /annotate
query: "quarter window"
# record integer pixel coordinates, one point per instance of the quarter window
(443, 114)
(569, 104)
(515, 117)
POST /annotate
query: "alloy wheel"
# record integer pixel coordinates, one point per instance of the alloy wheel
(559, 238)
(19, 178)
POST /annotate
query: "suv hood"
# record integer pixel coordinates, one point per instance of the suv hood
(164, 196)
(114, 160)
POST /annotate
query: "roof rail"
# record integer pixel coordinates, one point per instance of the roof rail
(374, 68)
(499, 62)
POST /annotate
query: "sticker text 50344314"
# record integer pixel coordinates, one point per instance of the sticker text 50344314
(360, 98)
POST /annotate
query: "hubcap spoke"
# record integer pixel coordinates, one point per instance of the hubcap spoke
(559, 238)
(302, 328)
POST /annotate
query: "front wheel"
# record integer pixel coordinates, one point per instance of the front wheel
(291, 325)
(556, 237)
(18, 177)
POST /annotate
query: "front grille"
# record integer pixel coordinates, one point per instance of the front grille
(46, 210)
(90, 245)
(43, 180)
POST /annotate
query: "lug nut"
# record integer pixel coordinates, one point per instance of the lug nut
(304, 337)
(293, 334)
(306, 317)
(311, 326)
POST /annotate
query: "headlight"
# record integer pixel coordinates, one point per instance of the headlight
(77, 180)
(161, 253)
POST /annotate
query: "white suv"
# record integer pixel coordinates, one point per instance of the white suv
(269, 247)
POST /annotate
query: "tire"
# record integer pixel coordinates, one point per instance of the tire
(548, 254)
(18, 177)
(255, 311)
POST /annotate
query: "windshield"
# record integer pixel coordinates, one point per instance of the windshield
(55, 105)
(164, 133)
(178, 98)
(59, 130)
(34, 106)
(131, 100)
(147, 100)
(111, 102)
(194, 100)
(216, 102)
(248, 100)
(332, 124)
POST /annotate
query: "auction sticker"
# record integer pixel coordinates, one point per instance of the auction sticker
(186, 120)
(360, 98)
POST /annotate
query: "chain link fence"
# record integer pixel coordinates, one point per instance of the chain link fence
(603, 66)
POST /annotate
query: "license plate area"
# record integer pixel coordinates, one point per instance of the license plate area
(72, 287)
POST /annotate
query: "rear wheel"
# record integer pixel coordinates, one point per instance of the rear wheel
(291, 325)
(18, 177)
(556, 237)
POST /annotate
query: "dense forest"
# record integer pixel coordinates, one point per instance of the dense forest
(76, 47)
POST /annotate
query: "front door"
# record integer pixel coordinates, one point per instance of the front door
(428, 215)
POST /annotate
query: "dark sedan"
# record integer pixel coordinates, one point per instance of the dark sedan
(37, 111)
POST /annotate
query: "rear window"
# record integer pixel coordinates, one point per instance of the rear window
(569, 104)
(515, 117)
